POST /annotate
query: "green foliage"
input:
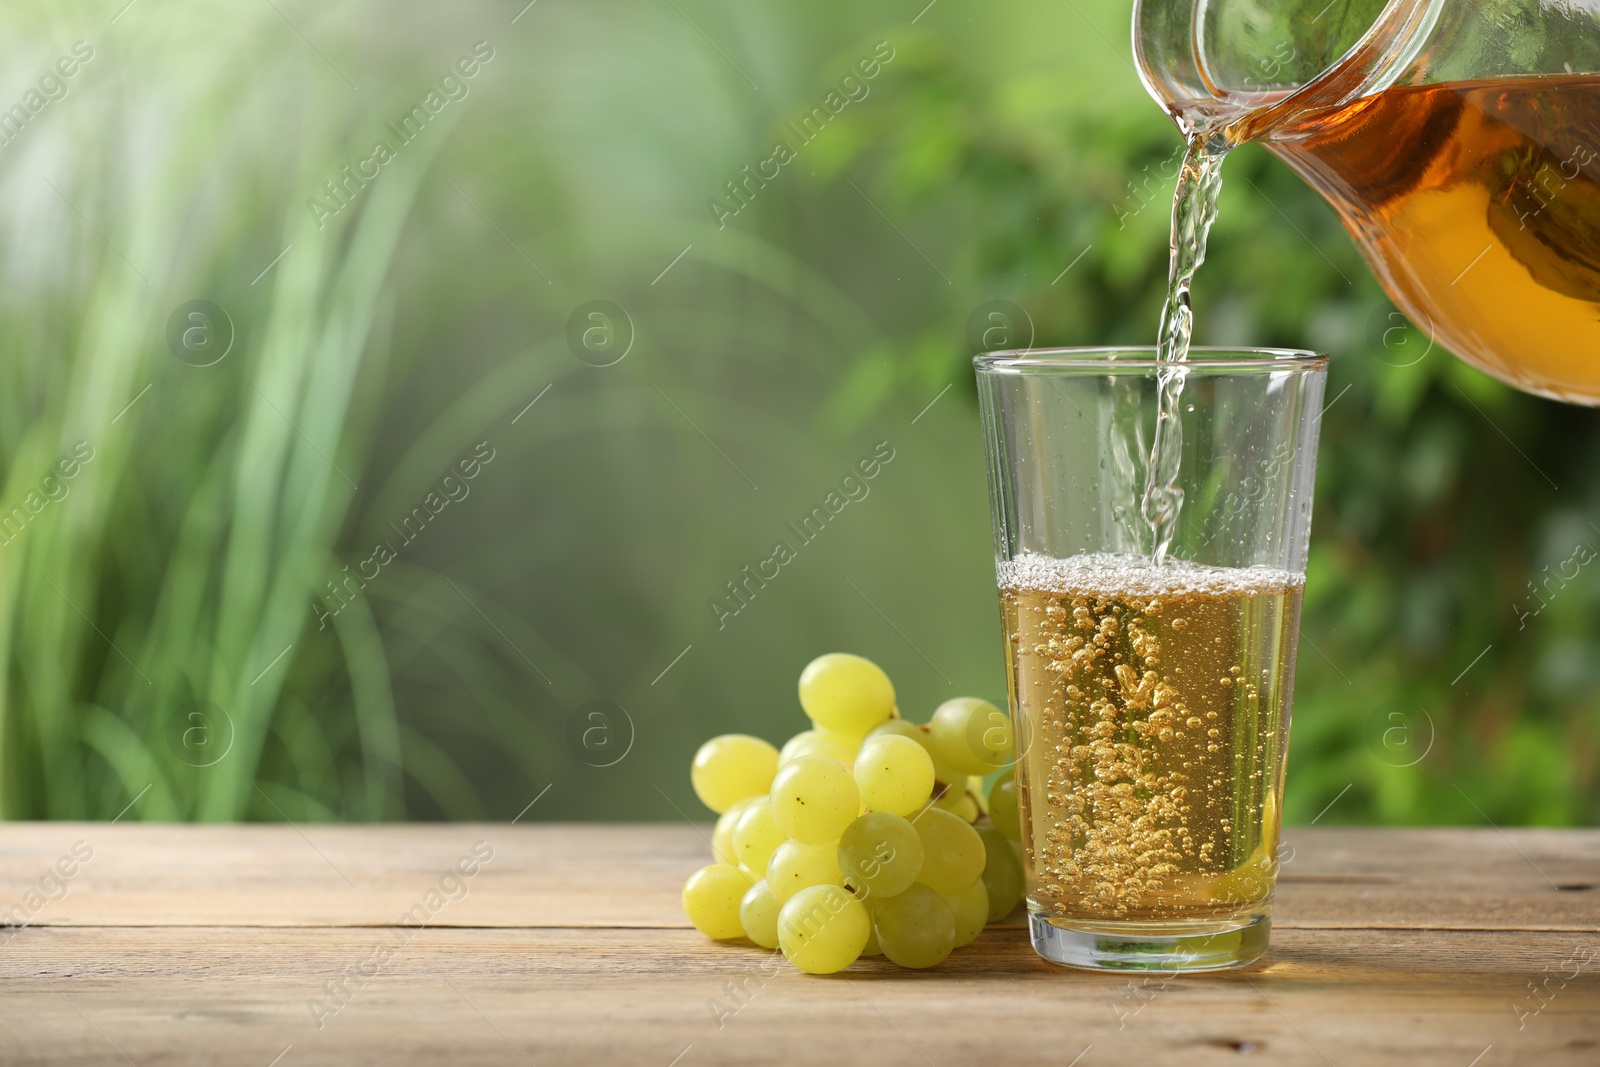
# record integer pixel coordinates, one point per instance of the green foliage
(990, 155)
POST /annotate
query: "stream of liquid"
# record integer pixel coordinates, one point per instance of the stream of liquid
(1194, 209)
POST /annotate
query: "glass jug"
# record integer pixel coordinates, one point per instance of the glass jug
(1458, 140)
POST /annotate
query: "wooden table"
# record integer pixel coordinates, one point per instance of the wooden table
(259, 945)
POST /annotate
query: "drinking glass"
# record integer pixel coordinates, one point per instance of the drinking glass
(1150, 702)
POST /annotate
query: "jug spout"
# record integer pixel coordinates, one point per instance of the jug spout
(1458, 143)
(1241, 68)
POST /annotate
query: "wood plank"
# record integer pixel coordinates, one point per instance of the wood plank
(272, 875)
(172, 943)
(180, 995)
(629, 876)
(1440, 878)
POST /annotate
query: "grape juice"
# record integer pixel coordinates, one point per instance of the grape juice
(1152, 717)
(1478, 206)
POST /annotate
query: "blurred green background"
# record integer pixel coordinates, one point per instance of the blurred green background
(545, 628)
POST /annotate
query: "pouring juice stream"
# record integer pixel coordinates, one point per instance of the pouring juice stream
(1194, 209)
(1477, 205)
(1458, 142)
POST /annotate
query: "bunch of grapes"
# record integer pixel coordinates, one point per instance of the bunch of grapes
(867, 834)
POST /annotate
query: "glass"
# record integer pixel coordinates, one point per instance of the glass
(1150, 704)
(1459, 143)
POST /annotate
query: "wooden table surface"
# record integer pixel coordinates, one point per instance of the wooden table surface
(263, 945)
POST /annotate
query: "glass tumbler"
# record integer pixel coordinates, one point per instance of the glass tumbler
(1150, 695)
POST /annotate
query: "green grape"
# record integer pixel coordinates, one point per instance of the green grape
(945, 775)
(755, 836)
(758, 915)
(722, 837)
(971, 910)
(794, 866)
(895, 774)
(813, 799)
(880, 854)
(1003, 805)
(962, 804)
(895, 727)
(916, 928)
(846, 694)
(952, 851)
(1002, 873)
(972, 735)
(873, 948)
(823, 929)
(730, 768)
(711, 900)
(818, 743)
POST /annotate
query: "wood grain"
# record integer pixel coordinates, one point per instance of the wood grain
(193, 944)
(632, 996)
(629, 876)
